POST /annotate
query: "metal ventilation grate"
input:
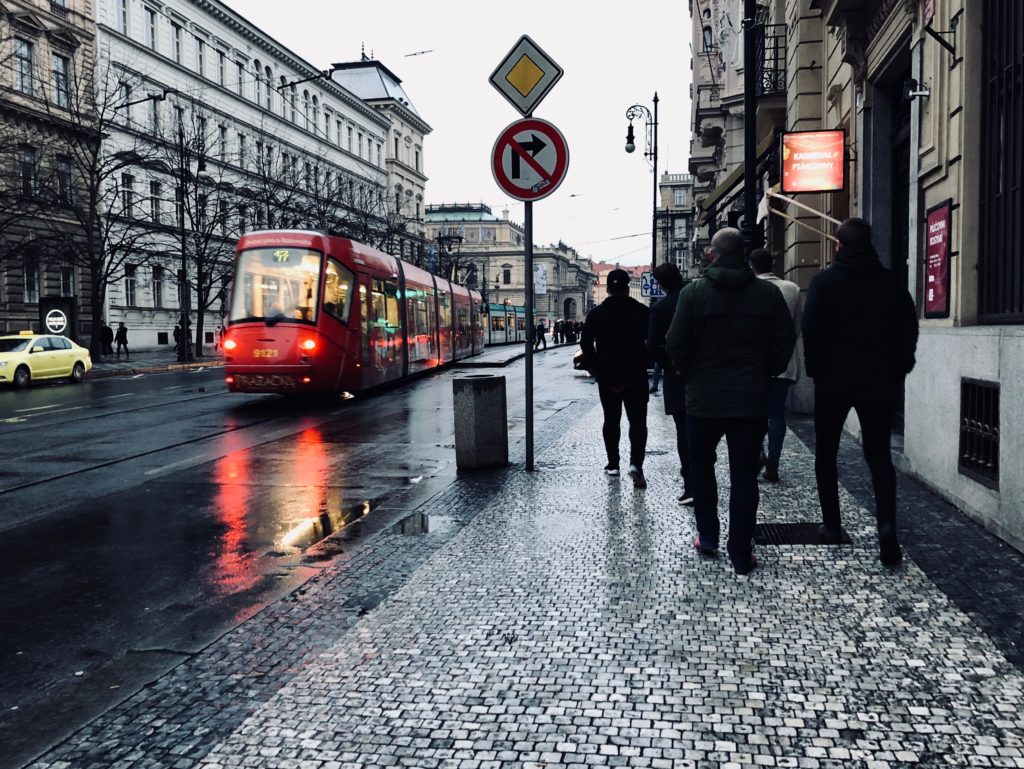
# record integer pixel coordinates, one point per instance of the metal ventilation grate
(790, 534)
(979, 431)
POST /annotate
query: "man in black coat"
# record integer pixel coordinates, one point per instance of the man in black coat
(613, 343)
(670, 279)
(860, 334)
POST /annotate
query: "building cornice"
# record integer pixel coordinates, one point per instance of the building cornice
(404, 114)
(263, 41)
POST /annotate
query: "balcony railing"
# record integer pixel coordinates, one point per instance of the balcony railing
(771, 60)
(59, 9)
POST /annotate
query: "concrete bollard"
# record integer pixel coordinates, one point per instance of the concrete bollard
(481, 422)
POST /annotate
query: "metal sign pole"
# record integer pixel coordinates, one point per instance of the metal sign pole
(532, 331)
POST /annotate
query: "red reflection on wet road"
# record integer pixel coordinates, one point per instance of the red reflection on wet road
(306, 487)
(233, 566)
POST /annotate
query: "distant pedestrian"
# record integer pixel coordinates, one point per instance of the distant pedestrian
(107, 339)
(177, 336)
(730, 334)
(860, 335)
(613, 343)
(540, 337)
(220, 336)
(122, 340)
(669, 277)
(761, 264)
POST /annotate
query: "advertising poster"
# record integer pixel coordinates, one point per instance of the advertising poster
(936, 261)
(812, 161)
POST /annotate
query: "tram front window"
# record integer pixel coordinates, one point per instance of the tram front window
(275, 284)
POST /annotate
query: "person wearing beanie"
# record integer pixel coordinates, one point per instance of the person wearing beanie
(671, 280)
(613, 343)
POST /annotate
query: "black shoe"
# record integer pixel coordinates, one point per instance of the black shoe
(749, 568)
(686, 498)
(611, 470)
(827, 536)
(889, 552)
(762, 459)
(772, 476)
(638, 477)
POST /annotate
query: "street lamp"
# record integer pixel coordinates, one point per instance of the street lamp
(184, 161)
(636, 112)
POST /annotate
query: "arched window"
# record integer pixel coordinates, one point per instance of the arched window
(283, 88)
(316, 115)
(270, 88)
(305, 108)
(708, 40)
(294, 99)
(258, 81)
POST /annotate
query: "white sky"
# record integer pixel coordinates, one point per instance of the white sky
(614, 55)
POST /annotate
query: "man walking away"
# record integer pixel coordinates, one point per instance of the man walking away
(122, 341)
(860, 334)
(761, 264)
(613, 342)
(542, 338)
(730, 335)
(669, 277)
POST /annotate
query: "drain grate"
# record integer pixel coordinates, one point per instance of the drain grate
(790, 534)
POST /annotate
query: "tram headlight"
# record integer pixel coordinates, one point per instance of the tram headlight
(308, 344)
(230, 344)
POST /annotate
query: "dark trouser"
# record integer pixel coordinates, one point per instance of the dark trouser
(119, 346)
(634, 398)
(875, 425)
(776, 421)
(683, 447)
(743, 436)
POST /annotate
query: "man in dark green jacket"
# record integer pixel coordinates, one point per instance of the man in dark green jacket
(730, 335)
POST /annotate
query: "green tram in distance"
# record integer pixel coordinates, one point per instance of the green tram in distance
(504, 323)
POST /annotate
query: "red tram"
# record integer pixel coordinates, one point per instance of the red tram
(313, 313)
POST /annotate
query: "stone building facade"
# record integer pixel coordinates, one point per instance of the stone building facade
(492, 260)
(238, 133)
(43, 43)
(927, 95)
(675, 216)
(379, 87)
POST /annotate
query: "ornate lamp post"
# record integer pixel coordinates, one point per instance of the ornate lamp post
(636, 112)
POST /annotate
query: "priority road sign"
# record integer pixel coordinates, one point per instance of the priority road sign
(525, 75)
(529, 159)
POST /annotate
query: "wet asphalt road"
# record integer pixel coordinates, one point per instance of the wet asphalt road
(140, 518)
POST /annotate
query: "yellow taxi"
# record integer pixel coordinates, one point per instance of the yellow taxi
(29, 356)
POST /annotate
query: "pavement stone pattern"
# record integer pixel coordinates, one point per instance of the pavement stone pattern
(978, 571)
(566, 621)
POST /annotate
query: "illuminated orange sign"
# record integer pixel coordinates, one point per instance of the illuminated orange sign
(812, 161)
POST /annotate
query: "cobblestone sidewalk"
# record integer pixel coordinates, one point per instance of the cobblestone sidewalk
(559, 619)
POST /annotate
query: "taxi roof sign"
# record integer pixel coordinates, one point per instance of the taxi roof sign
(525, 75)
(27, 332)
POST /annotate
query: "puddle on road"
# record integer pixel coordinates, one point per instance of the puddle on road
(420, 523)
(309, 531)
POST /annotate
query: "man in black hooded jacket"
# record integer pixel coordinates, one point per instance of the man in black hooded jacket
(860, 333)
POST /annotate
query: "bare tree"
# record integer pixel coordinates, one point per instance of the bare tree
(205, 201)
(103, 204)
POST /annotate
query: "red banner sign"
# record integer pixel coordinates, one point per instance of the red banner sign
(812, 161)
(936, 261)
